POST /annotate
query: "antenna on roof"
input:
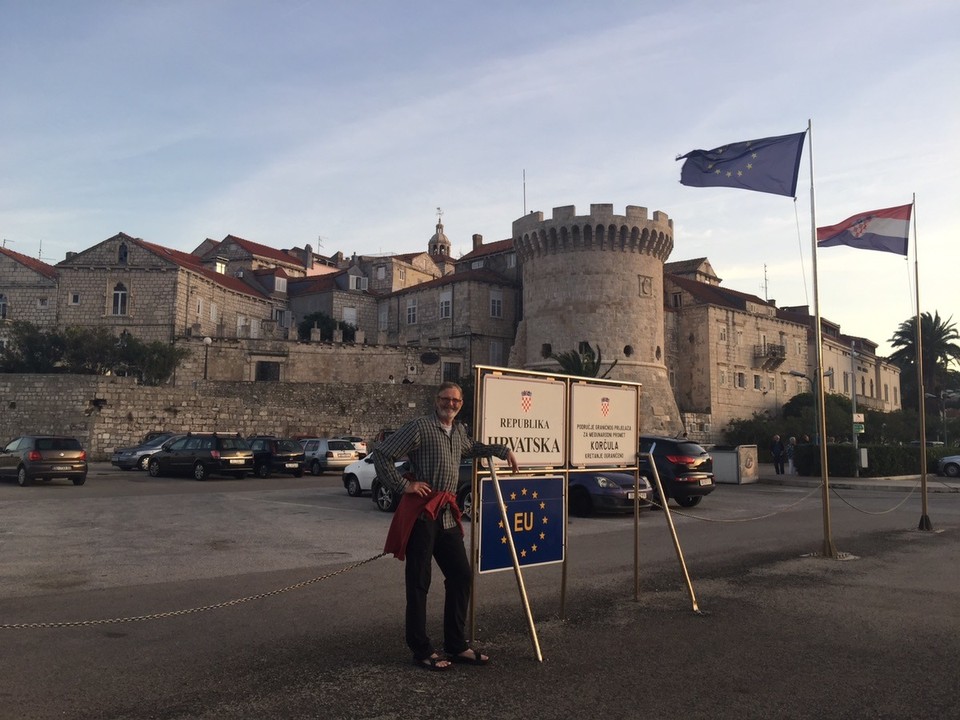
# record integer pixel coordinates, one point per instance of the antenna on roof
(763, 285)
(5, 241)
(40, 253)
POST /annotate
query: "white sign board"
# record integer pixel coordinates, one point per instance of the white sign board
(603, 425)
(527, 415)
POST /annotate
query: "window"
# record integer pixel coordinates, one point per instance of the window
(42, 302)
(673, 379)
(476, 264)
(741, 380)
(199, 307)
(446, 304)
(846, 383)
(496, 352)
(412, 311)
(280, 316)
(832, 382)
(723, 334)
(757, 382)
(3, 306)
(496, 303)
(723, 378)
(214, 312)
(511, 260)
(254, 328)
(677, 300)
(799, 347)
(350, 315)
(120, 299)
(886, 388)
(220, 265)
(268, 371)
(358, 282)
(896, 392)
(383, 316)
(871, 382)
(739, 338)
(402, 273)
(451, 371)
(122, 254)
(280, 284)
(74, 298)
(381, 272)
(242, 328)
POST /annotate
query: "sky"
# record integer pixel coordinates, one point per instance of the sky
(346, 125)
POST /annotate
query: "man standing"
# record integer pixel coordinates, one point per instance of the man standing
(426, 525)
(777, 451)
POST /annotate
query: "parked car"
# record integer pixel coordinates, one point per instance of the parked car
(603, 491)
(358, 476)
(949, 465)
(590, 491)
(323, 454)
(273, 454)
(44, 457)
(201, 455)
(358, 442)
(138, 456)
(685, 468)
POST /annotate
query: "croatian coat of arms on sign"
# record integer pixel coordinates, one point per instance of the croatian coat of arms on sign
(526, 400)
(605, 406)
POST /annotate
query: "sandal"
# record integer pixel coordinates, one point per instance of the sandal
(433, 663)
(477, 658)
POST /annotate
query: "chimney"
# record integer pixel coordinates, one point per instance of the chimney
(477, 240)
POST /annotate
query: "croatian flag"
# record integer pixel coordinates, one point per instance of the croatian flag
(886, 230)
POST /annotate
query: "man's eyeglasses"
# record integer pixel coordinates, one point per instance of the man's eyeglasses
(451, 400)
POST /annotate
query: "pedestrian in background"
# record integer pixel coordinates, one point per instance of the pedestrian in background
(791, 452)
(777, 451)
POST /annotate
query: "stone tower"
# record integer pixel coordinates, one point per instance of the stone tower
(598, 279)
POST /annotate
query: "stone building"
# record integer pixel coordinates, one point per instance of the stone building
(28, 291)
(705, 354)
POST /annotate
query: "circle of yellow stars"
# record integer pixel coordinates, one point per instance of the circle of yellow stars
(542, 535)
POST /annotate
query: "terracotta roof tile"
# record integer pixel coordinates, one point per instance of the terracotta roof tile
(38, 266)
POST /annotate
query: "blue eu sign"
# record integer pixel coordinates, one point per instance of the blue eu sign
(535, 517)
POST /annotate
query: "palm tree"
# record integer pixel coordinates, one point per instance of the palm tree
(585, 363)
(939, 349)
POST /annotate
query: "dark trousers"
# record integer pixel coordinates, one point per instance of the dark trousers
(778, 464)
(429, 541)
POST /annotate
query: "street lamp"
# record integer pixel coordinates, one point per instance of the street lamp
(207, 342)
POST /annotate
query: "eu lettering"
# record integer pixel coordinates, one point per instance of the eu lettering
(522, 522)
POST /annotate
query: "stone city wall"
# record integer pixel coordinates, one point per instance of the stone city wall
(107, 412)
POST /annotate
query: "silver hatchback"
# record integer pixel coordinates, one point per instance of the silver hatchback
(323, 454)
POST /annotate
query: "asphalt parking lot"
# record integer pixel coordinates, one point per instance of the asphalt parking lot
(782, 631)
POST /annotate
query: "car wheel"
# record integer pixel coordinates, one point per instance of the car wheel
(315, 467)
(580, 503)
(353, 486)
(465, 501)
(951, 470)
(199, 472)
(153, 467)
(386, 499)
(22, 478)
(262, 470)
(79, 480)
(144, 462)
(689, 501)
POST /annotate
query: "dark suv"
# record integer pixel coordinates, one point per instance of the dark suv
(685, 468)
(276, 455)
(42, 457)
(202, 454)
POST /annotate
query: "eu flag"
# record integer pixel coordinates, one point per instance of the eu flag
(767, 165)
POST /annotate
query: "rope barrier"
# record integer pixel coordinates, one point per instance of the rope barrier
(190, 611)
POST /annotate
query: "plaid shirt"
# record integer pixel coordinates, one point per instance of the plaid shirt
(434, 456)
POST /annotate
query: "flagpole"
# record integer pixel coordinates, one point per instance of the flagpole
(925, 523)
(828, 548)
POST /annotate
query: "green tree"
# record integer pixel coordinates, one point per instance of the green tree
(31, 350)
(327, 325)
(585, 363)
(940, 348)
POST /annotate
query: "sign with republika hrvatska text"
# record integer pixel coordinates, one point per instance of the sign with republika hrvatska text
(528, 415)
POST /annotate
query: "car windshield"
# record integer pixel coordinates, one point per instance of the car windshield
(58, 444)
(290, 446)
(234, 443)
(157, 441)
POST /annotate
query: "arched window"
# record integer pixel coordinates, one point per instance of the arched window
(120, 299)
(122, 254)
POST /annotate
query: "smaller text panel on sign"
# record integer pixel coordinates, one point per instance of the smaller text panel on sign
(603, 425)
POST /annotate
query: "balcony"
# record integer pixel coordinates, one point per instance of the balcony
(769, 357)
